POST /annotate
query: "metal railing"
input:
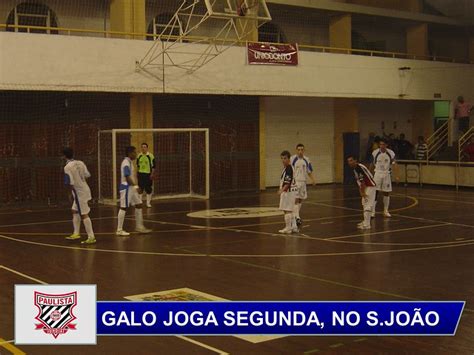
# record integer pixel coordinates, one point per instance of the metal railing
(462, 142)
(419, 164)
(142, 36)
(438, 140)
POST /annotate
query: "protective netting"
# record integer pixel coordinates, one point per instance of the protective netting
(36, 126)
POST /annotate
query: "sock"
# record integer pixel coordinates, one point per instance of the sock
(367, 218)
(373, 207)
(288, 220)
(386, 202)
(141, 197)
(293, 222)
(121, 219)
(296, 210)
(139, 218)
(76, 222)
(148, 199)
(88, 225)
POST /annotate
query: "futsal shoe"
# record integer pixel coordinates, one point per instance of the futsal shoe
(295, 230)
(363, 227)
(386, 214)
(143, 230)
(148, 205)
(285, 231)
(122, 233)
(299, 222)
(74, 237)
(89, 241)
(360, 224)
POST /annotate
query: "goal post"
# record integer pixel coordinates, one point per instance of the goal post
(181, 159)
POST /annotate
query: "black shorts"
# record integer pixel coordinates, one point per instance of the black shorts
(145, 182)
(463, 124)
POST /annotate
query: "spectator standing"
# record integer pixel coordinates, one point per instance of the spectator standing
(421, 149)
(462, 112)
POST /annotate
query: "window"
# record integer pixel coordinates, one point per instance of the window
(270, 32)
(32, 14)
(164, 22)
(441, 113)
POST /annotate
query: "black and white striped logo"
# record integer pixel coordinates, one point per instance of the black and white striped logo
(55, 312)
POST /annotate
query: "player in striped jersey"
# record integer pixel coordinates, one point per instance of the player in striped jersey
(287, 193)
(302, 168)
(367, 189)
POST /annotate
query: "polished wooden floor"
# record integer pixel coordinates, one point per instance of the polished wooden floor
(424, 252)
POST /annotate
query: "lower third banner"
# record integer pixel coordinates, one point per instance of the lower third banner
(278, 318)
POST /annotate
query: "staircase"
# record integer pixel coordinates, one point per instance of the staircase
(438, 142)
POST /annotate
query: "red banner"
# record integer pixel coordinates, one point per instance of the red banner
(272, 54)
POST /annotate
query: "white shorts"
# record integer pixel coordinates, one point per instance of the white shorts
(287, 201)
(369, 201)
(80, 203)
(302, 192)
(383, 182)
(129, 197)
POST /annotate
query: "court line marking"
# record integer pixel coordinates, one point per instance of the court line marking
(202, 345)
(23, 275)
(443, 200)
(330, 239)
(10, 347)
(192, 227)
(392, 230)
(93, 219)
(113, 251)
(198, 226)
(248, 256)
(45, 283)
(332, 282)
(405, 216)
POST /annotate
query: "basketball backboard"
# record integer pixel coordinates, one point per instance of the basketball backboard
(253, 9)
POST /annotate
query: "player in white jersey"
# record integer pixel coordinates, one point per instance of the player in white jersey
(129, 196)
(75, 175)
(287, 194)
(302, 168)
(383, 159)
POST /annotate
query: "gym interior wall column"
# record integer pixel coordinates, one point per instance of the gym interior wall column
(417, 41)
(471, 49)
(141, 116)
(346, 119)
(262, 143)
(340, 31)
(249, 27)
(422, 123)
(128, 16)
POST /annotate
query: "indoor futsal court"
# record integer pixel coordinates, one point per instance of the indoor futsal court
(310, 158)
(423, 252)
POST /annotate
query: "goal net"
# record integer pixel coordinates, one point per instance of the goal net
(181, 166)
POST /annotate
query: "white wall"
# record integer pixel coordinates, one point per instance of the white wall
(292, 120)
(54, 62)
